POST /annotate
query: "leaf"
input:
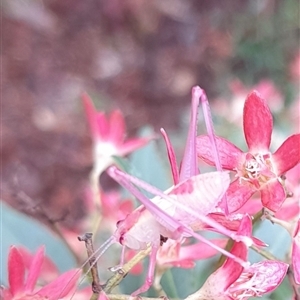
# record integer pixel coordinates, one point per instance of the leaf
(19, 229)
(149, 165)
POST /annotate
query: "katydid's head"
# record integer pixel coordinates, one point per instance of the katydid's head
(122, 233)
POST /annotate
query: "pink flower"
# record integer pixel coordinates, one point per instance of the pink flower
(109, 133)
(258, 169)
(22, 287)
(173, 254)
(232, 281)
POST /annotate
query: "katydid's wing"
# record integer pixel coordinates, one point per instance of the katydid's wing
(203, 192)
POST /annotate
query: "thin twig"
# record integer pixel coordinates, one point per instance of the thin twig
(264, 253)
(119, 275)
(96, 286)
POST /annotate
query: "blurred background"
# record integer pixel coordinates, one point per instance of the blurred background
(140, 56)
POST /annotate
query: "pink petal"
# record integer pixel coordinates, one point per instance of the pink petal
(102, 130)
(117, 127)
(34, 270)
(238, 194)
(91, 113)
(273, 195)
(258, 122)
(133, 144)
(103, 296)
(288, 154)
(268, 275)
(183, 264)
(231, 269)
(16, 271)
(200, 250)
(251, 207)
(230, 155)
(296, 253)
(289, 210)
(62, 286)
(171, 156)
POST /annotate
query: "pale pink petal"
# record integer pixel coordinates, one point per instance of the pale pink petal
(290, 209)
(200, 250)
(5, 294)
(296, 253)
(171, 156)
(62, 286)
(16, 271)
(91, 113)
(34, 270)
(267, 277)
(117, 128)
(183, 264)
(238, 194)
(251, 207)
(125, 208)
(132, 145)
(102, 126)
(139, 267)
(103, 296)
(231, 270)
(258, 122)
(273, 195)
(229, 154)
(288, 154)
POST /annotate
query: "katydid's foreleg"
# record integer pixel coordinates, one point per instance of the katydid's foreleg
(150, 275)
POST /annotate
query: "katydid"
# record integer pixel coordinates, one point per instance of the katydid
(171, 214)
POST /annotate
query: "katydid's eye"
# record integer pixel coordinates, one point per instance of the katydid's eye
(119, 223)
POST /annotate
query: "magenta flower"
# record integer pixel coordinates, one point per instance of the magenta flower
(108, 133)
(22, 287)
(173, 254)
(258, 169)
(233, 281)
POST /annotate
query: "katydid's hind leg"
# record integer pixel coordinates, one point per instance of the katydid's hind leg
(150, 275)
(212, 137)
(210, 129)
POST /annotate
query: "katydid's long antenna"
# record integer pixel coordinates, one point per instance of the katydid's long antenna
(211, 134)
(103, 247)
